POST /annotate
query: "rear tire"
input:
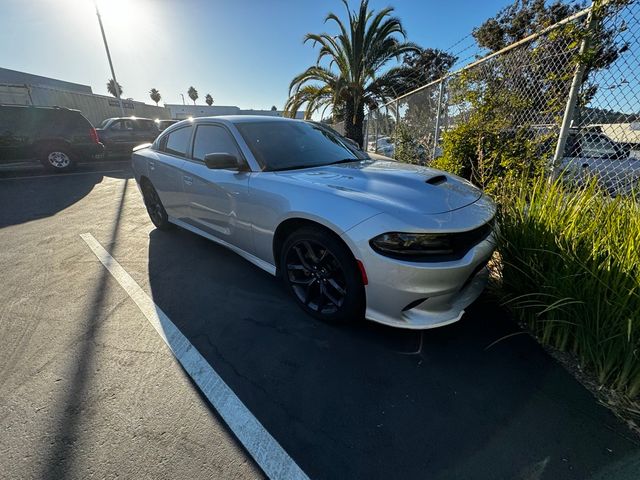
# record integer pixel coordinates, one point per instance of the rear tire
(57, 159)
(322, 275)
(155, 209)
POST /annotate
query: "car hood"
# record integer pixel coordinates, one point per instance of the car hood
(392, 186)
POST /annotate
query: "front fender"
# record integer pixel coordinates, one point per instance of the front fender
(274, 202)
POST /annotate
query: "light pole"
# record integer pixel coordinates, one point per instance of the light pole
(182, 95)
(106, 47)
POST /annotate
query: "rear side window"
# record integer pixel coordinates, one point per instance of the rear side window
(177, 142)
(213, 139)
(146, 125)
(78, 122)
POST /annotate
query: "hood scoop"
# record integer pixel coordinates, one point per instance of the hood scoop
(436, 180)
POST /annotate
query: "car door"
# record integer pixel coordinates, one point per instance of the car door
(13, 135)
(145, 131)
(166, 171)
(218, 199)
(121, 136)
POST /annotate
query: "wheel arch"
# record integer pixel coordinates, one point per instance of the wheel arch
(291, 224)
(43, 144)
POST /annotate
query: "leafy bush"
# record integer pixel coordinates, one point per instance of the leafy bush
(490, 155)
(571, 272)
(408, 150)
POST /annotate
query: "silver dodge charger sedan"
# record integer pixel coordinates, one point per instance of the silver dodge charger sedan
(349, 234)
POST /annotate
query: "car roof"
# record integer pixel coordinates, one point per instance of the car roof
(36, 107)
(245, 119)
(128, 118)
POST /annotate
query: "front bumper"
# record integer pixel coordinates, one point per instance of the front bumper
(419, 295)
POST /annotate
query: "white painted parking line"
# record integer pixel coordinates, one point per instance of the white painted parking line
(264, 449)
(61, 175)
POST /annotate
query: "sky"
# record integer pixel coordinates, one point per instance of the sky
(242, 52)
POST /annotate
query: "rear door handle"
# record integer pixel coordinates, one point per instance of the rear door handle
(187, 180)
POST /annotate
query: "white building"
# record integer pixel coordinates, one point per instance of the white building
(20, 88)
(180, 112)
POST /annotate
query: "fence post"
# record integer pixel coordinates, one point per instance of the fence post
(365, 141)
(395, 130)
(574, 91)
(437, 129)
(375, 133)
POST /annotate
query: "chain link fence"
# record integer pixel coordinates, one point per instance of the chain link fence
(564, 101)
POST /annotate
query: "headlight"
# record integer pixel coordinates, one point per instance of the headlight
(413, 246)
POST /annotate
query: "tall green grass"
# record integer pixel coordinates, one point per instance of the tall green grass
(571, 272)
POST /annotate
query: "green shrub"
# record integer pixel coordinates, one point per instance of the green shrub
(490, 157)
(571, 272)
(408, 150)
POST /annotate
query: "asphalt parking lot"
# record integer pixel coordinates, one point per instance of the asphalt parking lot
(89, 389)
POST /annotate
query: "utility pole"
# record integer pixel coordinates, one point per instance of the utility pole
(182, 95)
(106, 47)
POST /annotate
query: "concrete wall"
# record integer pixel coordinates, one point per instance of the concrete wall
(95, 107)
(22, 78)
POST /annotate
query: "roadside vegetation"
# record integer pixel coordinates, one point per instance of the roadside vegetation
(570, 256)
(571, 273)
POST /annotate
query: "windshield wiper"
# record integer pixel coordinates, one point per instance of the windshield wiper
(300, 167)
(344, 160)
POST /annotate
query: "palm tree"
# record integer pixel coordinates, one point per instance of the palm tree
(193, 94)
(155, 95)
(352, 80)
(208, 99)
(111, 88)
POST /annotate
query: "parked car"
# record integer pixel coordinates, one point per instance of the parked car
(162, 124)
(56, 137)
(401, 244)
(590, 154)
(383, 146)
(120, 135)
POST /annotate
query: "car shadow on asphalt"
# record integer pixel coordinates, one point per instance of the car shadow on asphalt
(36, 194)
(476, 399)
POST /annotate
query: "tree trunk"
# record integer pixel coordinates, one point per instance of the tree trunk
(354, 120)
(359, 124)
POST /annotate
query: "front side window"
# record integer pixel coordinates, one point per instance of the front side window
(122, 125)
(177, 142)
(289, 145)
(213, 139)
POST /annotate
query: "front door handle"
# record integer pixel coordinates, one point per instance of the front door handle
(187, 180)
(152, 165)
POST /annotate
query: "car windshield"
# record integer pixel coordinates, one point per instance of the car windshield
(292, 145)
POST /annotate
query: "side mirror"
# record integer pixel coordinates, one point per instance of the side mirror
(221, 161)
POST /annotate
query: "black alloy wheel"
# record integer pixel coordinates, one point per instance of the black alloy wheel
(155, 209)
(323, 276)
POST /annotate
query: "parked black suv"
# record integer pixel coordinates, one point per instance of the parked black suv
(120, 135)
(57, 137)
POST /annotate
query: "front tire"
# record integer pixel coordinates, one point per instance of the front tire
(155, 209)
(322, 275)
